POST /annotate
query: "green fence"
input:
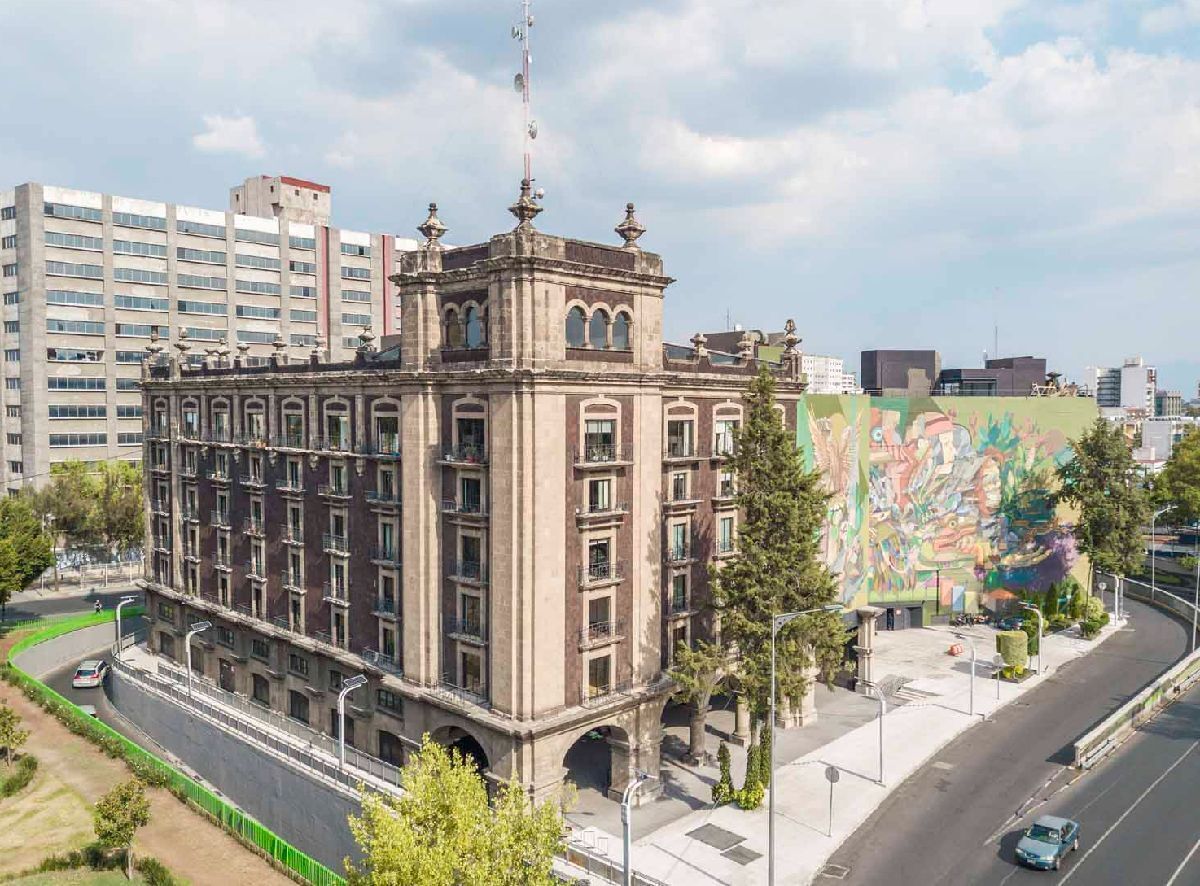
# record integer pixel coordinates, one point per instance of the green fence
(230, 818)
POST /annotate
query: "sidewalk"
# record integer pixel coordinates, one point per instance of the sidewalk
(115, 585)
(731, 848)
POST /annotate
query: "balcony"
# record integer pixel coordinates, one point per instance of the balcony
(382, 661)
(724, 547)
(219, 519)
(162, 543)
(338, 491)
(680, 501)
(723, 446)
(219, 436)
(256, 570)
(252, 526)
(385, 556)
(385, 607)
(679, 553)
(329, 640)
(217, 476)
(187, 472)
(189, 432)
(383, 498)
(474, 694)
(254, 440)
(474, 511)
(191, 553)
(598, 695)
(678, 607)
(601, 574)
(221, 561)
(288, 441)
(680, 450)
(161, 506)
(282, 622)
(158, 432)
(726, 496)
(292, 535)
(252, 481)
(469, 629)
(293, 583)
(384, 446)
(335, 544)
(465, 454)
(333, 444)
(600, 455)
(337, 593)
(470, 571)
(602, 513)
(601, 633)
(289, 487)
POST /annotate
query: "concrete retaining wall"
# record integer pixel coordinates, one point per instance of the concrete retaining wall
(43, 658)
(307, 813)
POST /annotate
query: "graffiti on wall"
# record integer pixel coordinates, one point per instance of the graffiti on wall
(943, 500)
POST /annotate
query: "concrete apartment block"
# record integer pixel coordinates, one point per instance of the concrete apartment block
(88, 279)
(505, 517)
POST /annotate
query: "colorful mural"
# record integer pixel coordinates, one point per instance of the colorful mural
(943, 500)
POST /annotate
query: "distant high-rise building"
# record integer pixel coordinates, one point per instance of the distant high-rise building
(1129, 386)
(1168, 404)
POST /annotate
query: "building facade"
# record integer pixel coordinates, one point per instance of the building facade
(88, 279)
(1130, 386)
(1168, 404)
(504, 518)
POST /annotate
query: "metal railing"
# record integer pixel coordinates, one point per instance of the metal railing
(599, 572)
(389, 555)
(288, 441)
(256, 570)
(466, 627)
(385, 605)
(723, 445)
(600, 694)
(333, 444)
(251, 526)
(677, 605)
(337, 543)
(595, 509)
(677, 553)
(384, 446)
(383, 662)
(291, 535)
(335, 490)
(251, 480)
(598, 454)
(473, 695)
(335, 591)
(219, 519)
(469, 507)
(470, 570)
(465, 453)
(383, 497)
(292, 582)
(680, 449)
(602, 632)
(292, 486)
(216, 476)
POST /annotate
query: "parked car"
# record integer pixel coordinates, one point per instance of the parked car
(1045, 843)
(1011, 623)
(90, 674)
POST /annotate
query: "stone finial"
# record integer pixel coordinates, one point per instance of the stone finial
(699, 340)
(630, 228)
(432, 228)
(746, 346)
(790, 339)
(182, 344)
(318, 346)
(243, 347)
(279, 344)
(526, 208)
(365, 340)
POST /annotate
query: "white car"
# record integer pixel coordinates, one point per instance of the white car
(90, 674)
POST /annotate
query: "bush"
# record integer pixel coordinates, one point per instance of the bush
(155, 872)
(722, 791)
(1093, 610)
(1089, 628)
(21, 776)
(1078, 599)
(1050, 602)
(750, 796)
(1059, 622)
(764, 758)
(1013, 646)
(1030, 627)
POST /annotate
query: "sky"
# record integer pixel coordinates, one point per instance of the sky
(901, 174)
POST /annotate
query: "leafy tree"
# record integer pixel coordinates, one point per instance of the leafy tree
(12, 736)
(115, 520)
(1077, 597)
(722, 791)
(1177, 485)
(697, 672)
(778, 566)
(1050, 601)
(441, 831)
(1101, 480)
(118, 815)
(26, 549)
(1030, 627)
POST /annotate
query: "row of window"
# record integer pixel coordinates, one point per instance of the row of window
(90, 383)
(78, 410)
(90, 355)
(92, 327)
(57, 441)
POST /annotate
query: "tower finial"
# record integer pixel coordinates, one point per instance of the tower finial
(630, 228)
(432, 228)
(526, 208)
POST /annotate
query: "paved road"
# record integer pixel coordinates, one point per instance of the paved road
(17, 611)
(953, 822)
(60, 682)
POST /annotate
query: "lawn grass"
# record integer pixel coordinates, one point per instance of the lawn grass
(45, 818)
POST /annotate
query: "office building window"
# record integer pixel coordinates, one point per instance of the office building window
(7, 212)
(74, 327)
(191, 281)
(141, 330)
(302, 242)
(256, 261)
(356, 273)
(61, 440)
(355, 249)
(256, 237)
(16, 467)
(202, 334)
(302, 267)
(64, 210)
(128, 384)
(72, 410)
(303, 341)
(303, 291)
(12, 327)
(137, 275)
(68, 269)
(75, 383)
(68, 297)
(259, 337)
(254, 286)
(14, 439)
(12, 355)
(356, 319)
(299, 316)
(201, 307)
(200, 229)
(9, 242)
(355, 295)
(130, 411)
(132, 220)
(137, 247)
(8, 270)
(12, 298)
(132, 438)
(130, 356)
(74, 355)
(74, 241)
(258, 312)
(141, 303)
(203, 256)
(13, 411)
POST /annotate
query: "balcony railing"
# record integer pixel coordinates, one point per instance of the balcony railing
(383, 446)
(465, 453)
(387, 555)
(598, 454)
(289, 486)
(466, 627)
(288, 441)
(256, 570)
(724, 546)
(475, 694)
(383, 497)
(678, 553)
(293, 582)
(221, 560)
(189, 432)
(334, 490)
(722, 445)
(677, 606)
(188, 472)
(162, 543)
(220, 519)
(217, 476)
(334, 592)
(291, 535)
(282, 622)
(337, 544)
(599, 632)
(469, 507)
(219, 435)
(189, 512)
(333, 444)
(596, 573)
(385, 606)
(252, 481)
(726, 490)
(470, 570)
(252, 526)
(597, 694)
(382, 661)
(680, 449)
(160, 505)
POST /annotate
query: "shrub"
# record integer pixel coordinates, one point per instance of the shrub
(1078, 599)
(1013, 646)
(1059, 621)
(1030, 627)
(1050, 601)
(25, 769)
(750, 796)
(764, 758)
(722, 791)
(1093, 610)
(155, 872)
(1089, 628)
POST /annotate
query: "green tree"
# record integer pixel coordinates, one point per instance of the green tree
(441, 831)
(12, 736)
(115, 519)
(1101, 480)
(722, 791)
(1050, 601)
(26, 549)
(118, 815)
(697, 671)
(1177, 485)
(1030, 627)
(778, 566)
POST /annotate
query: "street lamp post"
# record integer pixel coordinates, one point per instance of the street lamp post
(187, 646)
(882, 711)
(347, 687)
(1154, 519)
(121, 603)
(778, 621)
(971, 640)
(1038, 613)
(627, 821)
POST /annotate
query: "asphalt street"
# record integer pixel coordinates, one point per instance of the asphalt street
(60, 682)
(958, 819)
(60, 605)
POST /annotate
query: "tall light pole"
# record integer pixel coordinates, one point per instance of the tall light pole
(778, 621)
(627, 821)
(187, 647)
(348, 686)
(1038, 613)
(882, 711)
(121, 603)
(971, 640)
(1154, 519)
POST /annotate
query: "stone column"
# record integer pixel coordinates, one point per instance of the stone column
(867, 616)
(741, 723)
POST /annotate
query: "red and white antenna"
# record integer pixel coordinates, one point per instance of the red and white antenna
(521, 82)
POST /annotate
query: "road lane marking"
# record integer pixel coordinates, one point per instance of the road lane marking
(1183, 864)
(1075, 867)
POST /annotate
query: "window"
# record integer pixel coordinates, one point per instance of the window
(576, 324)
(255, 286)
(255, 261)
(298, 665)
(263, 237)
(724, 429)
(7, 212)
(141, 303)
(303, 291)
(137, 275)
(257, 312)
(12, 355)
(66, 297)
(335, 722)
(9, 242)
(260, 649)
(351, 341)
(16, 467)
(14, 439)
(600, 495)
(355, 295)
(67, 269)
(201, 333)
(600, 439)
(598, 329)
(355, 249)
(128, 384)
(259, 337)
(12, 298)
(679, 592)
(302, 242)
(166, 611)
(12, 411)
(12, 384)
(680, 440)
(136, 247)
(129, 411)
(141, 330)
(356, 319)
(225, 637)
(62, 440)
(261, 691)
(298, 316)
(75, 411)
(191, 281)
(132, 438)
(74, 241)
(473, 327)
(679, 486)
(472, 671)
(725, 535)
(302, 267)
(391, 750)
(201, 307)
(63, 210)
(356, 273)
(200, 229)
(12, 327)
(297, 706)
(130, 356)
(9, 270)
(76, 327)
(204, 256)
(599, 675)
(679, 541)
(130, 220)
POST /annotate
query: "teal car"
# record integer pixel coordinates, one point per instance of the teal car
(1044, 844)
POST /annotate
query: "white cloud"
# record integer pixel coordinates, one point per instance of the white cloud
(1170, 17)
(229, 135)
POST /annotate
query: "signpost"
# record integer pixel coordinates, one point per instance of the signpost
(831, 775)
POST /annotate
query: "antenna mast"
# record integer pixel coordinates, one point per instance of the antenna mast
(521, 32)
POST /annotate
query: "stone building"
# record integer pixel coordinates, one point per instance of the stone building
(504, 517)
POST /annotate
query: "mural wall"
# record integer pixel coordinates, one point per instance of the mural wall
(943, 500)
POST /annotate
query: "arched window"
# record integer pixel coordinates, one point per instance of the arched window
(620, 332)
(474, 328)
(453, 334)
(575, 327)
(598, 329)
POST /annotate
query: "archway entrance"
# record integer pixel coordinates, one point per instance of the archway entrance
(598, 761)
(455, 739)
